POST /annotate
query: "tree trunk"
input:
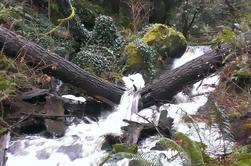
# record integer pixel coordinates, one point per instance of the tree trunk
(161, 91)
(15, 45)
(172, 82)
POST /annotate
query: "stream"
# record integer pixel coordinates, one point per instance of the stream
(81, 145)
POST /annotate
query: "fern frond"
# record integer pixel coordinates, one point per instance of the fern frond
(222, 121)
(191, 148)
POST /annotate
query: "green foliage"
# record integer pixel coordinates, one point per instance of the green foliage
(191, 148)
(117, 148)
(104, 32)
(3, 130)
(7, 84)
(222, 121)
(10, 14)
(10, 78)
(62, 21)
(94, 59)
(162, 38)
(92, 7)
(171, 144)
(243, 68)
(101, 48)
(227, 35)
(241, 156)
(34, 25)
(149, 56)
(149, 51)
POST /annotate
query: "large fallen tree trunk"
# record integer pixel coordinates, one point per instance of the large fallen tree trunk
(174, 81)
(162, 90)
(15, 45)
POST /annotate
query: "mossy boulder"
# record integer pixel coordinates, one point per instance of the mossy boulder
(167, 41)
(134, 59)
(153, 50)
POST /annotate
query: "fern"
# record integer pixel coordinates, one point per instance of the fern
(222, 120)
(142, 159)
(171, 144)
(191, 148)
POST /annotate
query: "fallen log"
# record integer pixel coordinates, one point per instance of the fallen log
(15, 45)
(174, 81)
(160, 91)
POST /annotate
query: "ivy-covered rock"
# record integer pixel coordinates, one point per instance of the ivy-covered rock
(140, 57)
(104, 32)
(95, 59)
(101, 51)
(151, 53)
(167, 41)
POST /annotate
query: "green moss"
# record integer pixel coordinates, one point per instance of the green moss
(2, 130)
(167, 41)
(117, 148)
(160, 32)
(91, 6)
(192, 149)
(10, 14)
(11, 77)
(134, 58)
(245, 74)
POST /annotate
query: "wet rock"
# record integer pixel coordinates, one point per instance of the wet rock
(4, 139)
(135, 131)
(34, 93)
(165, 124)
(54, 127)
(110, 140)
(73, 151)
(159, 146)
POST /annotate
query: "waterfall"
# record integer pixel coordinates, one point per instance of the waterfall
(82, 143)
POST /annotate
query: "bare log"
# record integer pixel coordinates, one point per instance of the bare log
(15, 45)
(174, 81)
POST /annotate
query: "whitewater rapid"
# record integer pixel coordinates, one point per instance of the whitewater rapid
(82, 143)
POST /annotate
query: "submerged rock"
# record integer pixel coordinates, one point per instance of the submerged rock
(73, 151)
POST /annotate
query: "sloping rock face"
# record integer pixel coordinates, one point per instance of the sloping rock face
(155, 48)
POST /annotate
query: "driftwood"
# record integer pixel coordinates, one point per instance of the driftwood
(162, 90)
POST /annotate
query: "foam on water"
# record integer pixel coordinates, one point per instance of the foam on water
(81, 143)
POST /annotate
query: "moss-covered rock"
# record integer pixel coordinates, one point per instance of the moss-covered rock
(134, 60)
(167, 41)
(151, 53)
(117, 148)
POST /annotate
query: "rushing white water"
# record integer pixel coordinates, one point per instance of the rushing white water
(82, 143)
